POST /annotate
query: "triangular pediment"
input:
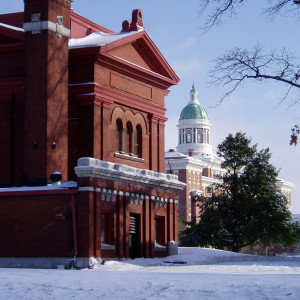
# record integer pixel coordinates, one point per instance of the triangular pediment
(134, 49)
(129, 53)
(140, 50)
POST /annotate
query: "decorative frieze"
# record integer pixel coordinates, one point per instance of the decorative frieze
(137, 199)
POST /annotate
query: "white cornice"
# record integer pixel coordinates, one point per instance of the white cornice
(185, 163)
(92, 167)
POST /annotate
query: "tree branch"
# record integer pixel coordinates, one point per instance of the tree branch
(237, 65)
(216, 9)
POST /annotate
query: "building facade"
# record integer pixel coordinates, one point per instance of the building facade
(194, 162)
(86, 104)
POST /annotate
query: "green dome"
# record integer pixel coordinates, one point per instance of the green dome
(193, 111)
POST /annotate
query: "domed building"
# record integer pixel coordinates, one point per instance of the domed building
(194, 127)
(194, 162)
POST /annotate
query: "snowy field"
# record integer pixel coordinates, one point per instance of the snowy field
(193, 274)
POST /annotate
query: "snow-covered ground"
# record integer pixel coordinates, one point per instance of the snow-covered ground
(193, 274)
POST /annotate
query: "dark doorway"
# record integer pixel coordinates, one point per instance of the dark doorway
(134, 235)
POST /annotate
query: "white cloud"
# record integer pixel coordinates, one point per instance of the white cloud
(185, 67)
(188, 43)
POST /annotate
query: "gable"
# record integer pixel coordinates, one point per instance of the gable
(148, 55)
(130, 54)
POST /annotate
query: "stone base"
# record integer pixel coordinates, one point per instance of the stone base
(37, 262)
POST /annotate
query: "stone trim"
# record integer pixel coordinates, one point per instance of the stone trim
(86, 189)
(36, 27)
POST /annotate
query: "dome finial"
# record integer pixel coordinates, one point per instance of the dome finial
(193, 88)
(193, 94)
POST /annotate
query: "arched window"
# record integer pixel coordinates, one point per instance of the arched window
(137, 141)
(128, 138)
(119, 131)
(199, 136)
(189, 136)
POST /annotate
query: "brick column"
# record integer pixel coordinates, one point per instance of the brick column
(120, 224)
(85, 222)
(97, 222)
(126, 224)
(146, 227)
(170, 220)
(97, 132)
(46, 91)
(175, 220)
(152, 226)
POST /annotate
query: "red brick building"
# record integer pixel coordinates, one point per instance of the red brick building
(71, 89)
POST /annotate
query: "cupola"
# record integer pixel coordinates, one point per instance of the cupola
(194, 128)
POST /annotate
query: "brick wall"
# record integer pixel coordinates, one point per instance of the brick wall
(36, 225)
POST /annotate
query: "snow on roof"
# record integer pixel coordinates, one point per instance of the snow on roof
(174, 154)
(53, 186)
(97, 39)
(88, 166)
(12, 27)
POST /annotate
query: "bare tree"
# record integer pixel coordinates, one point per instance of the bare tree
(216, 9)
(237, 66)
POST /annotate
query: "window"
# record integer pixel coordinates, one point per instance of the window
(190, 175)
(199, 136)
(179, 136)
(128, 138)
(189, 136)
(107, 228)
(190, 202)
(119, 131)
(137, 141)
(194, 175)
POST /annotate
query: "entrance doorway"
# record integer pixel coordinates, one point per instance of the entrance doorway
(134, 235)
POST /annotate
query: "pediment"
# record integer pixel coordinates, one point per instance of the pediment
(133, 49)
(140, 50)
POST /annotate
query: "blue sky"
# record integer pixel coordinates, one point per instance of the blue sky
(254, 109)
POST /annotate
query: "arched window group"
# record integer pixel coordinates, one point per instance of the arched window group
(129, 139)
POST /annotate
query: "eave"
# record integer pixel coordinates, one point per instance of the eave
(10, 35)
(134, 71)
